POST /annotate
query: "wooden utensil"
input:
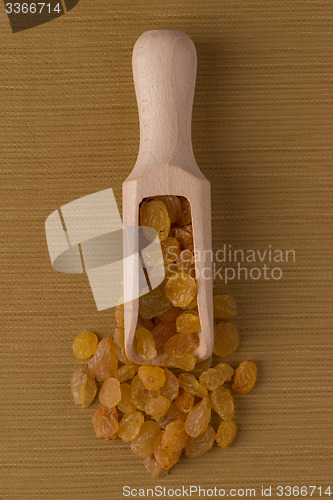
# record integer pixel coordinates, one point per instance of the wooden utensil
(164, 69)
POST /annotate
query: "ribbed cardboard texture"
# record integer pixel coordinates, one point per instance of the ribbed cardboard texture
(261, 134)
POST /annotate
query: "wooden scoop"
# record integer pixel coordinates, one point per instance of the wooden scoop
(164, 69)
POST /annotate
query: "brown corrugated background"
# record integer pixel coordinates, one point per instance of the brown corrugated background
(262, 135)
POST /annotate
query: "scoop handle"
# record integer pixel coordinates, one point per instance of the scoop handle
(164, 71)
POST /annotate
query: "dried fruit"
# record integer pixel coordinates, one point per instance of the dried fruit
(152, 377)
(198, 418)
(170, 249)
(154, 213)
(186, 263)
(162, 332)
(222, 402)
(192, 305)
(126, 372)
(144, 443)
(245, 377)
(85, 345)
(224, 306)
(153, 303)
(185, 208)
(214, 377)
(157, 406)
(181, 343)
(119, 340)
(226, 339)
(180, 289)
(226, 433)
(104, 362)
(139, 393)
(174, 436)
(119, 315)
(188, 382)
(110, 394)
(188, 322)
(184, 236)
(197, 446)
(184, 401)
(170, 389)
(105, 422)
(130, 425)
(170, 315)
(173, 206)
(154, 469)
(145, 344)
(165, 458)
(126, 404)
(83, 387)
(182, 361)
(203, 366)
(172, 414)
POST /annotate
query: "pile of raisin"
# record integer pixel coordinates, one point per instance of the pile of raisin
(165, 411)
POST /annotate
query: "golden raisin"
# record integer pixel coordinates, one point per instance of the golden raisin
(144, 443)
(174, 436)
(152, 377)
(119, 315)
(130, 425)
(182, 361)
(181, 343)
(85, 345)
(222, 402)
(188, 382)
(170, 389)
(185, 209)
(224, 306)
(184, 401)
(83, 386)
(153, 303)
(192, 305)
(104, 362)
(245, 377)
(145, 344)
(173, 206)
(203, 365)
(170, 315)
(105, 422)
(110, 394)
(118, 338)
(180, 289)
(188, 322)
(154, 469)
(170, 250)
(172, 414)
(185, 263)
(214, 377)
(198, 418)
(154, 213)
(184, 236)
(162, 332)
(157, 406)
(226, 339)
(165, 458)
(139, 394)
(196, 446)
(126, 372)
(226, 433)
(126, 404)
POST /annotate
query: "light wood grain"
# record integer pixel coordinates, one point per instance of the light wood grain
(164, 69)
